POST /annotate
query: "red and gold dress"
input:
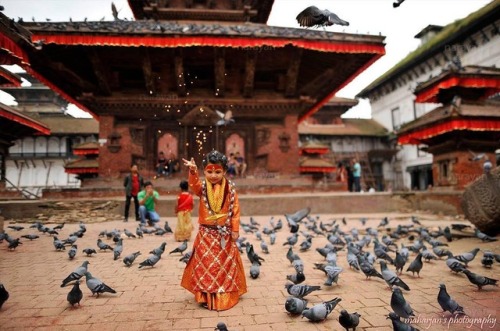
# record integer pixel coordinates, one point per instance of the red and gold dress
(183, 210)
(214, 273)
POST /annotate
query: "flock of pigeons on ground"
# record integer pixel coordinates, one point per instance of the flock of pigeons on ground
(424, 243)
(363, 252)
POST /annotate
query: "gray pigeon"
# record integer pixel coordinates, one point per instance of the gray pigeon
(399, 262)
(349, 321)
(102, 245)
(454, 264)
(479, 280)
(255, 270)
(150, 261)
(332, 273)
(483, 236)
(263, 247)
(59, 244)
(129, 234)
(117, 251)
(159, 250)
(129, 259)
(398, 325)
(295, 306)
(488, 259)
(447, 303)
(221, 326)
(369, 270)
(320, 311)
(298, 265)
(300, 291)
(89, 251)
(416, 265)
(4, 295)
(77, 274)
(296, 278)
(391, 278)
(181, 248)
(95, 285)
(467, 257)
(399, 305)
(30, 236)
(75, 295)
(72, 252)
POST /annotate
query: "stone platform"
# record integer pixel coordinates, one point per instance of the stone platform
(152, 299)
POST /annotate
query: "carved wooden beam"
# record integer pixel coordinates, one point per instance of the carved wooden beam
(318, 83)
(71, 76)
(220, 71)
(147, 70)
(292, 73)
(179, 73)
(101, 71)
(249, 80)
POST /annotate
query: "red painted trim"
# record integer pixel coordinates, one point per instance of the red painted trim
(77, 171)
(40, 128)
(16, 54)
(93, 151)
(416, 137)
(13, 80)
(430, 94)
(317, 169)
(317, 150)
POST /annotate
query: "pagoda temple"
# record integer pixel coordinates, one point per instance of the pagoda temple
(166, 81)
(463, 132)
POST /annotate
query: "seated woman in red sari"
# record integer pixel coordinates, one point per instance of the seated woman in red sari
(214, 273)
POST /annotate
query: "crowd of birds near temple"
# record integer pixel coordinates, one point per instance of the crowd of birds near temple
(347, 252)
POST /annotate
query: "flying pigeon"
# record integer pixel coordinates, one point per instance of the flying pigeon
(77, 274)
(397, 3)
(225, 118)
(295, 306)
(75, 295)
(95, 285)
(349, 321)
(314, 17)
(320, 312)
(447, 303)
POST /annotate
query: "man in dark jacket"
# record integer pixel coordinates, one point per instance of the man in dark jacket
(133, 183)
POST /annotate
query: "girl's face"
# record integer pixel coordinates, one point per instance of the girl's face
(214, 174)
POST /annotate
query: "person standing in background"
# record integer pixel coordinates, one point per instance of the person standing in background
(356, 174)
(183, 210)
(133, 183)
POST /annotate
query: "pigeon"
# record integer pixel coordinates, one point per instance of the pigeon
(397, 3)
(320, 312)
(129, 234)
(16, 227)
(398, 325)
(454, 264)
(298, 265)
(447, 234)
(488, 259)
(59, 244)
(295, 306)
(30, 236)
(291, 240)
(95, 285)
(483, 236)
(14, 243)
(72, 252)
(459, 227)
(77, 274)
(182, 247)
(467, 257)
(294, 219)
(150, 261)
(139, 232)
(75, 295)
(102, 245)
(224, 118)
(129, 259)
(300, 291)
(332, 273)
(159, 250)
(447, 303)
(4, 295)
(167, 228)
(312, 16)
(296, 278)
(487, 165)
(479, 280)
(349, 321)
(391, 278)
(117, 251)
(252, 256)
(59, 226)
(399, 305)
(221, 326)
(89, 251)
(369, 270)
(255, 270)
(186, 257)
(399, 262)
(264, 248)
(416, 265)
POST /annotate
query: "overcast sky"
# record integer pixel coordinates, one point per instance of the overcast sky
(399, 25)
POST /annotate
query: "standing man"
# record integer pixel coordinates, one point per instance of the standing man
(133, 183)
(147, 199)
(356, 174)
